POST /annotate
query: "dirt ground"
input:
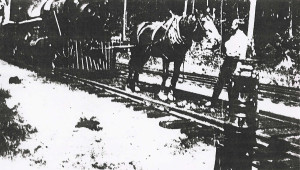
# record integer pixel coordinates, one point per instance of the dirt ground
(121, 138)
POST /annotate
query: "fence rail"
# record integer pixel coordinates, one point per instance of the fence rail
(84, 56)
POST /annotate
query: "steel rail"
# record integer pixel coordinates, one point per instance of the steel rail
(192, 116)
(263, 88)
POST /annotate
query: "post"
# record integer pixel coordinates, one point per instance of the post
(237, 11)
(91, 63)
(250, 26)
(124, 20)
(7, 12)
(76, 53)
(113, 58)
(105, 56)
(221, 26)
(81, 55)
(193, 6)
(251, 19)
(291, 20)
(108, 55)
(185, 7)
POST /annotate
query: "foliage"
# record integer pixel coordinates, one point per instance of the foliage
(278, 49)
(91, 124)
(13, 130)
(202, 56)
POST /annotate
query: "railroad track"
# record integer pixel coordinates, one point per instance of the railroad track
(273, 133)
(292, 94)
(197, 123)
(286, 94)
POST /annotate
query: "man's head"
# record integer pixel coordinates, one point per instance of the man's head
(236, 22)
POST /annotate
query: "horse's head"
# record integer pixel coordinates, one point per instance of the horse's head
(206, 30)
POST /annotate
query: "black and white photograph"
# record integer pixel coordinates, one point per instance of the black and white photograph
(149, 84)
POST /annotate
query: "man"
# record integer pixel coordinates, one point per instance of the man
(2, 4)
(235, 49)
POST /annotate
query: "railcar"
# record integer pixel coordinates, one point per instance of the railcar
(58, 34)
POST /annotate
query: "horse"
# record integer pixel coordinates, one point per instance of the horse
(169, 40)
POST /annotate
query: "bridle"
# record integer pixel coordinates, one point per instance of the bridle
(199, 22)
(202, 31)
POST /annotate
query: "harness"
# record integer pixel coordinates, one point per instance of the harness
(170, 26)
(172, 32)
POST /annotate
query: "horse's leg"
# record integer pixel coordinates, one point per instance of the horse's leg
(177, 65)
(131, 67)
(140, 65)
(130, 80)
(165, 76)
(137, 61)
(136, 81)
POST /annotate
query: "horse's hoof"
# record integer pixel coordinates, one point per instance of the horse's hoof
(171, 96)
(193, 106)
(212, 110)
(182, 103)
(137, 89)
(146, 103)
(128, 89)
(208, 104)
(173, 104)
(162, 96)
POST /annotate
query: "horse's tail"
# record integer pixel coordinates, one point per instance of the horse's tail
(134, 40)
(133, 37)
